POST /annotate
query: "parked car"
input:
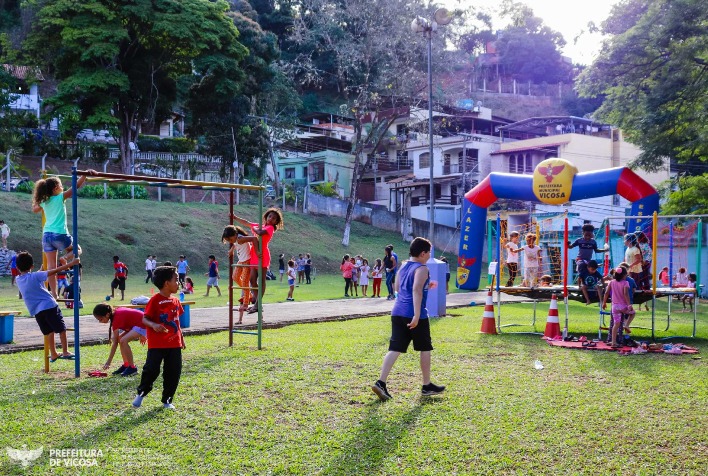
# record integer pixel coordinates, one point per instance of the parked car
(269, 192)
(89, 135)
(14, 183)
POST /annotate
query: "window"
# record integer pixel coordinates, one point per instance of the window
(317, 172)
(403, 160)
(471, 163)
(304, 171)
(290, 173)
(512, 164)
(529, 164)
(424, 161)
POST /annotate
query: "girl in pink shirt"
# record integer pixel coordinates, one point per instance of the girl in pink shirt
(347, 267)
(618, 288)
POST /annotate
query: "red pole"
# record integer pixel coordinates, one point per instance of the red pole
(231, 275)
(607, 242)
(565, 256)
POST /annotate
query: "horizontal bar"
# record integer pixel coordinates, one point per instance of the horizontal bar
(197, 183)
(651, 216)
(244, 332)
(238, 287)
(244, 265)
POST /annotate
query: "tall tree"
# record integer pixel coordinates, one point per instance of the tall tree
(653, 69)
(365, 51)
(118, 62)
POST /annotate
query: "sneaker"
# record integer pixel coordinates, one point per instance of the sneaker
(432, 389)
(379, 388)
(168, 406)
(130, 371)
(119, 370)
(138, 400)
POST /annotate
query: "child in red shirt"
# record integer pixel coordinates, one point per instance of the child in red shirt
(126, 325)
(165, 340)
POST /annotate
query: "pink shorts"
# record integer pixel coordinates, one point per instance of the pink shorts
(618, 311)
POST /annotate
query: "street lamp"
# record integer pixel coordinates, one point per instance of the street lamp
(427, 27)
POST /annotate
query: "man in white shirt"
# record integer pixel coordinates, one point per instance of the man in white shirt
(149, 268)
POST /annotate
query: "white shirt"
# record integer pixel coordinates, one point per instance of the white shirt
(4, 229)
(531, 256)
(148, 264)
(512, 257)
(243, 251)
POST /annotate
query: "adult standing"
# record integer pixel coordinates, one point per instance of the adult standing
(4, 232)
(308, 268)
(390, 262)
(148, 269)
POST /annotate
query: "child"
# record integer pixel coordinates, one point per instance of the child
(591, 281)
(62, 282)
(532, 261)
(300, 268)
(14, 271)
(692, 278)
(364, 276)
(188, 285)
(645, 248)
(546, 281)
(213, 275)
(664, 276)
(121, 274)
(41, 303)
(355, 277)
(447, 274)
(292, 275)
(409, 320)
(347, 269)
(681, 278)
(377, 276)
(4, 232)
(281, 265)
(619, 290)
(126, 325)
(240, 244)
(165, 340)
(512, 257)
(48, 197)
(272, 221)
(633, 257)
(586, 246)
(182, 269)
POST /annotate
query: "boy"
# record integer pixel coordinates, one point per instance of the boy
(546, 281)
(281, 266)
(409, 319)
(587, 245)
(532, 261)
(165, 340)
(591, 281)
(512, 257)
(62, 282)
(121, 274)
(41, 304)
(4, 232)
(213, 275)
(182, 269)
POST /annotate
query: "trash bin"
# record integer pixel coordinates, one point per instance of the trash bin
(437, 297)
(185, 319)
(7, 327)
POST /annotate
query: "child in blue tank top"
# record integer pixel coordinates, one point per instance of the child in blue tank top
(409, 319)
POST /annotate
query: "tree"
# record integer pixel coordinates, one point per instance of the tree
(653, 69)
(364, 51)
(690, 198)
(118, 63)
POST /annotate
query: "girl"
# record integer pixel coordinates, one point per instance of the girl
(364, 276)
(664, 276)
(48, 197)
(692, 278)
(633, 257)
(292, 275)
(272, 220)
(681, 278)
(346, 267)
(130, 324)
(188, 285)
(355, 277)
(376, 275)
(619, 290)
(240, 243)
(645, 248)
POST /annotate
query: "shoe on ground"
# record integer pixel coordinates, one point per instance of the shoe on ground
(432, 389)
(119, 370)
(129, 371)
(379, 388)
(168, 406)
(138, 400)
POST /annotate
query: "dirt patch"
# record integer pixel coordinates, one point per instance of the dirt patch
(125, 239)
(184, 225)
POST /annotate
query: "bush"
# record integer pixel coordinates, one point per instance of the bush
(113, 192)
(93, 191)
(327, 189)
(175, 145)
(25, 187)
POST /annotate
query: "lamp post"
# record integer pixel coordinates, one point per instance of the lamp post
(427, 27)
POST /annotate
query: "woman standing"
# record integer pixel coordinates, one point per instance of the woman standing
(390, 262)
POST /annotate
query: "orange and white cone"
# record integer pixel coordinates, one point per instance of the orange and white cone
(552, 323)
(489, 325)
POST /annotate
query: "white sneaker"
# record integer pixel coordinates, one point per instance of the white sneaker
(168, 406)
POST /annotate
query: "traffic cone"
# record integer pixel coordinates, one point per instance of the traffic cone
(552, 323)
(489, 325)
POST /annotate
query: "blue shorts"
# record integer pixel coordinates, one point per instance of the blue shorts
(55, 242)
(213, 281)
(140, 330)
(291, 282)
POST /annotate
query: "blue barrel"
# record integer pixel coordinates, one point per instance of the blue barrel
(185, 319)
(7, 328)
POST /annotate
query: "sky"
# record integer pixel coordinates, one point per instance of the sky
(569, 18)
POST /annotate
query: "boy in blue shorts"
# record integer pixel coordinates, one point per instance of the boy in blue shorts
(409, 319)
(591, 281)
(41, 304)
(586, 246)
(213, 275)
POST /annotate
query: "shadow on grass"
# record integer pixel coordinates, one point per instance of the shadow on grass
(379, 433)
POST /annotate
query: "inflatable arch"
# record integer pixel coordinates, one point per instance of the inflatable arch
(554, 181)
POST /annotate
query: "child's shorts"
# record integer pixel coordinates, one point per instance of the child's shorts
(291, 282)
(140, 330)
(213, 281)
(118, 283)
(62, 283)
(50, 320)
(618, 311)
(581, 265)
(15, 271)
(55, 242)
(401, 335)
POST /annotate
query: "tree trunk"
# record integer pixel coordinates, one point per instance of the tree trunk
(271, 153)
(128, 134)
(359, 148)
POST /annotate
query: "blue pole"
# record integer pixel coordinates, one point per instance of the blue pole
(75, 232)
(671, 253)
(498, 250)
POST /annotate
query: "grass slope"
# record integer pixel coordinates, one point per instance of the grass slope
(303, 406)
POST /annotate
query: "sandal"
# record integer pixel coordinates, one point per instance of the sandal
(582, 339)
(252, 309)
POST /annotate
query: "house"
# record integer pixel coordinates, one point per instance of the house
(173, 126)
(25, 95)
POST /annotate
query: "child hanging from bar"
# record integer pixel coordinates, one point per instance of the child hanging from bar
(240, 244)
(586, 247)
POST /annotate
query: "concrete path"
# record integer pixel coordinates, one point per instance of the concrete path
(206, 320)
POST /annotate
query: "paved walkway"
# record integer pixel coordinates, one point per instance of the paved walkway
(215, 319)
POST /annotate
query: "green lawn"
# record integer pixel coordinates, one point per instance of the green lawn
(303, 405)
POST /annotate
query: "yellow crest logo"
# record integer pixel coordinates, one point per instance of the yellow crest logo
(462, 275)
(553, 181)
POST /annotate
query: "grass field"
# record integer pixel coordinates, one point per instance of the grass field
(303, 405)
